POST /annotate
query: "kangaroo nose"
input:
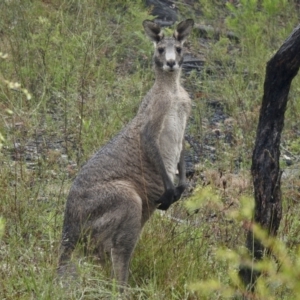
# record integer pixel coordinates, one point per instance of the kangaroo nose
(171, 63)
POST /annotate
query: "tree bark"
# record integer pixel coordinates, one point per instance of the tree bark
(266, 174)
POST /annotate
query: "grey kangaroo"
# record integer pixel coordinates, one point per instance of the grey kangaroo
(118, 189)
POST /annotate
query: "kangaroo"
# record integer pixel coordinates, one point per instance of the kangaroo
(118, 189)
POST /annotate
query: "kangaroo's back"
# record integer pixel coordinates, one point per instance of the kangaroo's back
(118, 189)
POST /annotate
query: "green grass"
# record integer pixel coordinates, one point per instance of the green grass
(83, 68)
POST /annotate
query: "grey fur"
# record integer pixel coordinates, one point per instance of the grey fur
(118, 189)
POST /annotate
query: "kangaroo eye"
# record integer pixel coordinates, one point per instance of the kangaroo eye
(178, 49)
(160, 50)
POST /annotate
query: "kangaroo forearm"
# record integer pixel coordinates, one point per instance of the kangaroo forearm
(158, 163)
(151, 149)
(170, 197)
(182, 168)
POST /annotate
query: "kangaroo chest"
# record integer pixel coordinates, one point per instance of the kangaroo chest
(172, 135)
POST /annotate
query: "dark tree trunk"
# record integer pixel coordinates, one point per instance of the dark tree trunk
(280, 71)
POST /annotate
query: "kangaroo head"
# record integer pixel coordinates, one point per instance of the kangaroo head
(168, 54)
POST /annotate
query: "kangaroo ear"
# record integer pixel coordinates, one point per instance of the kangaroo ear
(183, 30)
(153, 31)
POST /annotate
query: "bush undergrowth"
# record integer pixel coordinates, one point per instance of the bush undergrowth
(72, 73)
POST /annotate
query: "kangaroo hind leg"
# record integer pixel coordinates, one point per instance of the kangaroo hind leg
(127, 230)
(121, 254)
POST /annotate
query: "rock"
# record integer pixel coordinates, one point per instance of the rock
(165, 11)
(191, 62)
(207, 30)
